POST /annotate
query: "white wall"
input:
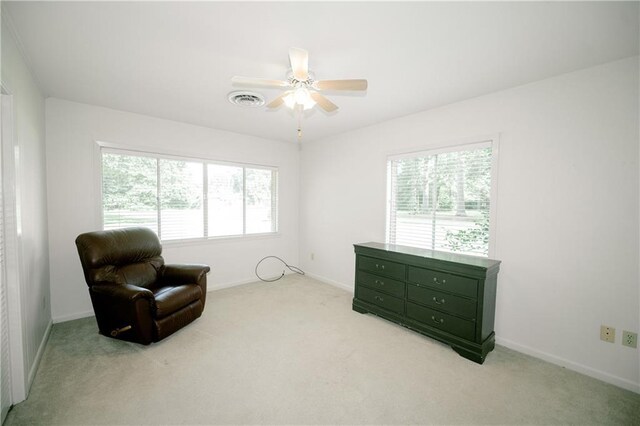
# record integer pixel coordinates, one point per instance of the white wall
(567, 208)
(29, 134)
(72, 167)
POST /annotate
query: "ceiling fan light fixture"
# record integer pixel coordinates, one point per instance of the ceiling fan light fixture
(290, 101)
(299, 96)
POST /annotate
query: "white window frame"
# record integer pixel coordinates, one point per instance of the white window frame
(492, 141)
(108, 147)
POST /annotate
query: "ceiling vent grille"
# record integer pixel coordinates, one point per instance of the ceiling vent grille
(247, 99)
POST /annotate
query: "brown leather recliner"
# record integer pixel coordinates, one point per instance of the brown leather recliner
(135, 296)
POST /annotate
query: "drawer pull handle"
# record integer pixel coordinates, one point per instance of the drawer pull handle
(379, 298)
(378, 266)
(379, 282)
(440, 321)
(435, 280)
(438, 302)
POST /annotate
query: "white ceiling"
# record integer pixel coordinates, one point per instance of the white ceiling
(175, 60)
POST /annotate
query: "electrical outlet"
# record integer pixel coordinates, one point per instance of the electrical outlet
(608, 334)
(630, 339)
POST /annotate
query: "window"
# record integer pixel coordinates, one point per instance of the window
(183, 198)
(441, 200)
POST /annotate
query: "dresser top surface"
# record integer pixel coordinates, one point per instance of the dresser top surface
(479, 262)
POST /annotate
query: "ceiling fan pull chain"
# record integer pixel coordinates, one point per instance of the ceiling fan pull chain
(299, 123)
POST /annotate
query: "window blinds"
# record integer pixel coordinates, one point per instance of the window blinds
(129, 191)
(181, 199)
(441, 200)
(225, 200)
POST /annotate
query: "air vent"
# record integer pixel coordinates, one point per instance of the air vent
(244, 98)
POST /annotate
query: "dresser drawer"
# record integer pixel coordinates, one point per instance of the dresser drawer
(442, 301)
(384, 284)
(385, 301)
(381, 267)
(450, 324)
(443, 281)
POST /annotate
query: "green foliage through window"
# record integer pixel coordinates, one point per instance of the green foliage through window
(442, 200)
(168, 195)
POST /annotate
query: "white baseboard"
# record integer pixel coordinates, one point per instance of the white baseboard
(582, 369)
(36, 362)
(74, 316)
(215, 287)
(331, 282)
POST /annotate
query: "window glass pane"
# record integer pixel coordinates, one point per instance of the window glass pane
(129, 191)
(181, 207)
(441, 201)
(167, 195)
(259, 201)
(469, 213)
(415, 197)
(225, 195)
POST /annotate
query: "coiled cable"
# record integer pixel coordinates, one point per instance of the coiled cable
(290, 267)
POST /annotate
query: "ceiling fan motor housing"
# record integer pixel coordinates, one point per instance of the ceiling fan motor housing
(294, 82)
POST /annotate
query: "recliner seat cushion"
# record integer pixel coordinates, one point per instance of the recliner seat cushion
(172, 299)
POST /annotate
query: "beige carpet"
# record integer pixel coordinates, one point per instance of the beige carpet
(293, 352)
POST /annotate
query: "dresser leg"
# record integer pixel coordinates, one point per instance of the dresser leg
(478, 355)
(478, 358)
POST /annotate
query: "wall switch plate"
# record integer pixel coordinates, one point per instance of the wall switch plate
(607, 334)
(630, 339)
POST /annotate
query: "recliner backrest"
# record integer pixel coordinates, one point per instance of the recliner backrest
(121, 256)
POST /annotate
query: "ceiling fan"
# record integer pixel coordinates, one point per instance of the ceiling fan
(302, 89)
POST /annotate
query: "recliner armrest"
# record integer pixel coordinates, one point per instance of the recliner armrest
(124, 310)
(186, 274)
(122, 291)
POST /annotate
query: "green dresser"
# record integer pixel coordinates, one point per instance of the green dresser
(447, 296)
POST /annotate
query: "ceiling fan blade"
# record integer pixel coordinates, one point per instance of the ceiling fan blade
(250, 81)
(342, 84)
(299, 59)
(324, 103)
(278, 101)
